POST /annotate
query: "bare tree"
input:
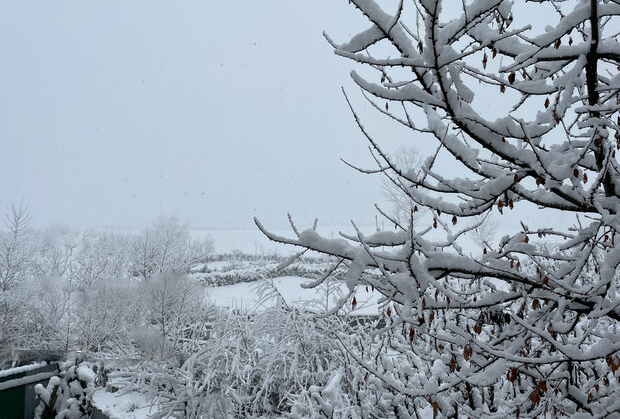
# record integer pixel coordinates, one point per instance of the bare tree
(167, 246)
(15, 266)
(56, 249)
(172, 302)
(486, 230)
(395, 189)
(99, 255)
(15, 251)
(143, 255)
(530, 328)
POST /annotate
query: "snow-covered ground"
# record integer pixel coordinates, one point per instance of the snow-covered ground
(123, 406)
(247, 295)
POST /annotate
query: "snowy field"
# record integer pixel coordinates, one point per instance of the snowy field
(123, 406)
(247, 296)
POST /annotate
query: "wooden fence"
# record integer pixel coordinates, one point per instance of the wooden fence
(17, 396)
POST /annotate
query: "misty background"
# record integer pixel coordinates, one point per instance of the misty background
(114, 113)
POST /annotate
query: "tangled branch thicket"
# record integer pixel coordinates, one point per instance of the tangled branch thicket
(529, 327)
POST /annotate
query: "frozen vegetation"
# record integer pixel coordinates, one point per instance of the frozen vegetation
(405, 322)
(162, 324)
(517, 106)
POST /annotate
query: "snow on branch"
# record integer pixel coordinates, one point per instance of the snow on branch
(527, 325)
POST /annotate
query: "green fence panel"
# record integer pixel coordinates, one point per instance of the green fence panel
(17, 397)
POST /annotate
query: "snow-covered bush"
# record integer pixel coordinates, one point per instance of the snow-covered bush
(68, 395)
(229, 269)
(257, 365)
(522, 116)
(46, 316)
(103, 314)
(172, 303)
(62, 288)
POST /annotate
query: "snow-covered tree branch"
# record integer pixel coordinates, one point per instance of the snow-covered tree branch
(530, 325)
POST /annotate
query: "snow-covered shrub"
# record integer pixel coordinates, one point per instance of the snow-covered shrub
(251, 268)
(262, 362)
(173, 303)
(103, 314)
(249, 365)
(68, 395)
(46, 317)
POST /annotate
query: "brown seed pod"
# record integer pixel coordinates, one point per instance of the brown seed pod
(513, 374)
(466, 354)
(511, 78)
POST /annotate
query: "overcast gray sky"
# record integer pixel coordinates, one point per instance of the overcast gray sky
(115, 112)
